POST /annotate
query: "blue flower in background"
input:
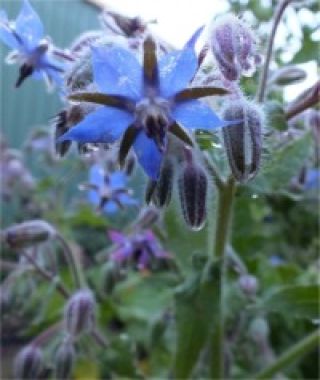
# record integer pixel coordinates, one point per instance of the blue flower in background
(142, 104)
(108, 192)
(30, 49)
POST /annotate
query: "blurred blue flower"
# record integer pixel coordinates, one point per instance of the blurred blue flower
(312, 180)
(142, 104)
(108, 192)
(141, 248)
(30, 49)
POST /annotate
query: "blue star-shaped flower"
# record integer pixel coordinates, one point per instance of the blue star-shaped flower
(143, 104)
(108, 192)
(34, 52)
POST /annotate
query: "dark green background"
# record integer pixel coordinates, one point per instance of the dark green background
(30, 105)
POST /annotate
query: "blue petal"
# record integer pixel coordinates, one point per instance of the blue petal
(96, 175)
(176, 69)
(105, 125)
(111, 207)
(28, 25)
(195, 114)
(117, 71)
(118, 180)
(6, 34)
(148, 155)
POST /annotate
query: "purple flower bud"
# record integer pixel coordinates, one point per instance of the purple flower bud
(248, 284)
(193, 183)
(243, 141)
(162, 194)
(234, 47)
(288, 75)
(64, 361)
(28, 363)
(28, 233)
(79, 313)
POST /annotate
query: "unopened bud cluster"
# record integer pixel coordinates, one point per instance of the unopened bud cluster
(234, 47)
(29, 363)
(243, 141)
(79, 314)
(64, 360)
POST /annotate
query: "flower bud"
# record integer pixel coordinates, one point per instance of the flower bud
(248, 284)
(288, 75)
(80, 313)
(259, 330)
(64, 361)
(243, 140)
(192, 184)
(28, 363)
(148, 217)
(162, 194)
(234, 47)
(111, 275)
(28, 233)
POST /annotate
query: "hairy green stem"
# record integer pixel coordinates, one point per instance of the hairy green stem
(225, 206)
(291, 355)
(72, 261)
(265, 70)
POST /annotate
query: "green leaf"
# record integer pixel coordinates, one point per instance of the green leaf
(309, 50)
(298, 301)
(276, 116)
(283, 165)
(195, 310)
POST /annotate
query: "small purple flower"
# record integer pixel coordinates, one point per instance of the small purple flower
(30, 49)
(142, 104)
(108, 192)
(142, 248)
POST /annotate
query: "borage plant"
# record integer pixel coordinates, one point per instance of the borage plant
(160, 299)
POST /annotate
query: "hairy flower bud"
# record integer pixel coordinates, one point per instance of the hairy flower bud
(64, 361)
(259, 329)
(243, 141)
(234, 47)
(162, 194)
(248, 284)
(80, 312)
(193, 183)
(288, 75)
(28, 233)
(28, 363)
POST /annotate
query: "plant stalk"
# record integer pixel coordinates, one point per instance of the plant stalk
(225, 206)
(294, 353)
(265, 71)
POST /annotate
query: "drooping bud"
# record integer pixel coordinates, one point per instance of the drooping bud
(162, 194)
(287, 75)
(234, 46)
(64, 361)
(28, 363)
(193, 183)
(28, 233)
(80, 313)
(243, 141)
(248, 284)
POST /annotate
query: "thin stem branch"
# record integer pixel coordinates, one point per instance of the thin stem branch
(72, 262)
(219, 182)
(100, 340)
(225, 206)
(264, 75)
(294, 353)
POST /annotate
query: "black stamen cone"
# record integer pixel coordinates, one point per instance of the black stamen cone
(25, 72)
(193, 185)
